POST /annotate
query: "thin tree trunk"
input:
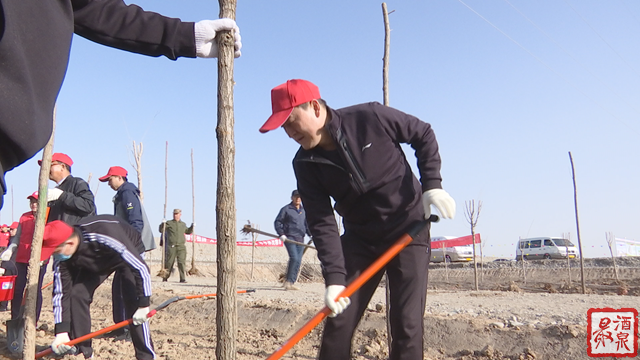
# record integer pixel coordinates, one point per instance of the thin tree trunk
(575, 200)
(385, 59)
(446, 266)
(611, 241)
(475, 260)
(568, 238)
(524, 270)
(227, 313)
(137, 157)
(481, 261)
(33, 270)
(385, 95)
(163, 272)
(193, 270)
(254, 237)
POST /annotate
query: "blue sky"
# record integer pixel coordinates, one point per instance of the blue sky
(509, 89)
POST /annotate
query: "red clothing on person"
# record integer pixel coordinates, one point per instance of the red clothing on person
(27, 227)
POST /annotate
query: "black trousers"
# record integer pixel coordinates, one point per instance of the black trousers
(408, 275)
(18, 290)
(83, 288)
(119, 313)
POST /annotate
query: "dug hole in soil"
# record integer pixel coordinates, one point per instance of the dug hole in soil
(506, 319)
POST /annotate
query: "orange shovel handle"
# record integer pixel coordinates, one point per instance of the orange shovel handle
(353, 287)
(130, 321)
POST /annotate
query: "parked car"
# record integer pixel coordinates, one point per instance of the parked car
(545, 248)
(450, 254)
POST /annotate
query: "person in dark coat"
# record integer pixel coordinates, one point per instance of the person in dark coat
(35, 41)
(128, 207)
(71, 200)
(291, 224)
(84, 256)
(353, 156)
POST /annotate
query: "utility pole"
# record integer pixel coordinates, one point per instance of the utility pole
(575, 201)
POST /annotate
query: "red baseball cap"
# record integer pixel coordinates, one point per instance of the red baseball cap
(287, 96)
(14, 225)
(114, 170)
(55, 233)
(59, 157)
(34, 195)
(4, 226)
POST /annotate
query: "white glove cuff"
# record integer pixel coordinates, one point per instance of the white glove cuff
(202, 35)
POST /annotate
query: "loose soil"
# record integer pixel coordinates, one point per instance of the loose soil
(544, 318)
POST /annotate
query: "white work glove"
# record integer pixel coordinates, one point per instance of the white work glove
(441, 200)
(141, 315)
(6, 255)
(205, 32)
(1, 271)
(283, 238)
(58, 345)
(337, 306)
(53, 194)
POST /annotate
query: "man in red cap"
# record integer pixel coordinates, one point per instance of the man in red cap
(19, 250)
(72, 200)
(85, 255)
(128, 207)
(353, 155)
(13, 228)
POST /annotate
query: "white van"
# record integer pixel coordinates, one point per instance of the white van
(545, 248)
(450, 254)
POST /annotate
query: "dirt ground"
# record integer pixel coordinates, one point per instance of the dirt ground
(507, 319)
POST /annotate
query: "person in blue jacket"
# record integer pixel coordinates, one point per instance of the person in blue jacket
(128, 207)
(291, 224)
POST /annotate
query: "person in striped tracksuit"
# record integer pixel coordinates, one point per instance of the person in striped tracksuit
(85, 255)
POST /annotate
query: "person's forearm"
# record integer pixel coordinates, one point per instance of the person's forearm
(130, 28)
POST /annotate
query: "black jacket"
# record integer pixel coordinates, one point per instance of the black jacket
(368, 177)
(35, 39)
(75, 203)
(107, 244)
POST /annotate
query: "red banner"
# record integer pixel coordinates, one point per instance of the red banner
(437, 242)
(206, 240)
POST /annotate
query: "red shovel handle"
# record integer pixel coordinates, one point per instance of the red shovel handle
(93, 334)
(353, 287)
(130, 321)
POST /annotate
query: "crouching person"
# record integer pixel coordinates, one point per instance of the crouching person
(84, 256)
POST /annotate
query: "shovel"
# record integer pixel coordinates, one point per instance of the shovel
(15, 329)
(15, 334)
(247, 229)
(122, 324)
(354, 285)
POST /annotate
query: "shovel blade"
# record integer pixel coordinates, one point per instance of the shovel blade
(15, 335)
